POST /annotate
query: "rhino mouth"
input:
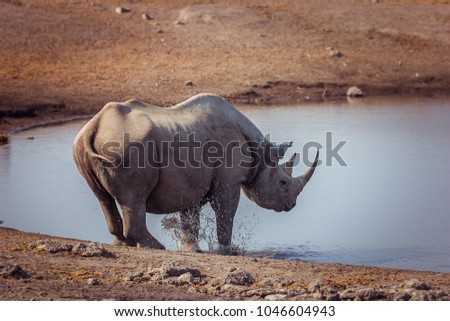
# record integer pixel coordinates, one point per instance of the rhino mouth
(287, 208)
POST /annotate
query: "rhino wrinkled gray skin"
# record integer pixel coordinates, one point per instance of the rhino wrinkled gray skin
(177, 159)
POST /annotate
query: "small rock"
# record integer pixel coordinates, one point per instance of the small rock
(258, 293)
(315, 285)
(239, 277)
(189, 83)
(30, 137)
(131, 276)
(50, 246)
(270, 282)
(93, 281)
(178, 22)
(79, 248)
(416, 285)
(368, 294)
(330, 290)
(287, 282)
(121, 10)
(159, 31)
(335, 53)
(354, 92)
(332, 297)
(275, 297)
(423, 296)
(230, 269)
(169, 269)
(347, 295)
(186, 278)
(93, 249)
(375, 1)
(146, 16)
(402, 297)
(15, 271)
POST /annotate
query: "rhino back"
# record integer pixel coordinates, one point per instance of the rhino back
(208, 117)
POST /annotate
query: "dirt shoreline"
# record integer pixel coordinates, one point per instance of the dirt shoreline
(40, 267)
(64, 59)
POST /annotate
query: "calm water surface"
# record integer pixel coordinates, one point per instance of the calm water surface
(390, 206)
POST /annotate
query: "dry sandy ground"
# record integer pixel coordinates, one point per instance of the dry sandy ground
(61, 59)
(64, 58)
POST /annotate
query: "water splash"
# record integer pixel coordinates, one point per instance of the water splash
(245, 224)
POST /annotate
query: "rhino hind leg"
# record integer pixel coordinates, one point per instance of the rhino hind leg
(113, 218)
(135, 227)
(190, 226)
(123, 241)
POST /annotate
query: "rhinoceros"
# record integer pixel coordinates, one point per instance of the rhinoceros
(161, 160)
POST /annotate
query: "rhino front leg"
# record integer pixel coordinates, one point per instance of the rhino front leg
(135, 226)
(190, 226)
(225, 204)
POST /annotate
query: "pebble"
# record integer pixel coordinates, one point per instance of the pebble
(275, 297)
(335, 53)
(368, 294)
(186, 278)
(416, 284)
(169, 269)
(121, 10)
(239, 277)
(189, 83)
(8, 270)
(92, 249)
(314, 286)
(354, 92)
(146, 16)
(93, 281)
(131, 276)
(50, 246)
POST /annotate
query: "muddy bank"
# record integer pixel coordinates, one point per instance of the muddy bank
(40, 267)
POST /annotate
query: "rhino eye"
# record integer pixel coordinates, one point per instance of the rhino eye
(283, 182)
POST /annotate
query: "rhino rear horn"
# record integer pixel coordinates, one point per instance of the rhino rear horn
(303, 179)
(278, 151)
(288, 166)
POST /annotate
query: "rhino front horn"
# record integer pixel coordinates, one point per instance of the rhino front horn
(303, 179)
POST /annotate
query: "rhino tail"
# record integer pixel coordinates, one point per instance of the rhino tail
(88, 142)
(83, 153)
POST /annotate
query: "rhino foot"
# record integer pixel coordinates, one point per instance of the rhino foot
(223, 250)
(123, 242)
(152, 243)
(192, 248)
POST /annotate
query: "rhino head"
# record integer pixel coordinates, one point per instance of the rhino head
(274, 187)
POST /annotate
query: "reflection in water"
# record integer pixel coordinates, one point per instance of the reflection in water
(389, 207)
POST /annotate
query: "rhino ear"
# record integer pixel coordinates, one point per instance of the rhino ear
(278, 151)
(288, 166)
